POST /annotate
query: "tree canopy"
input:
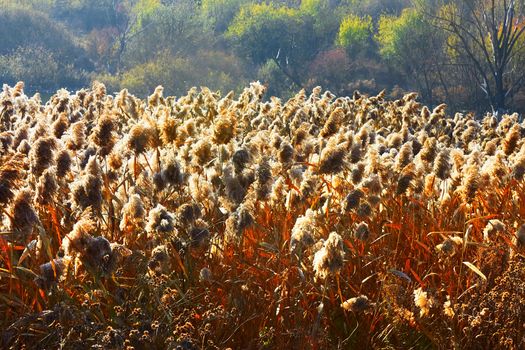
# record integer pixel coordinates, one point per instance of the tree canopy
(469, 53)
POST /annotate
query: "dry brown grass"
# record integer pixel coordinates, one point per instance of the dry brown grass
(207, 222)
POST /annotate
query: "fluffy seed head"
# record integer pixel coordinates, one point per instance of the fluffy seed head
(357, 304)
(329, 259)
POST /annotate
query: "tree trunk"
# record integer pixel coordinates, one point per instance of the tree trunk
(499, 93)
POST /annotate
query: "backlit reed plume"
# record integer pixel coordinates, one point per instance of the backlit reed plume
(330, 258)
(24, 217)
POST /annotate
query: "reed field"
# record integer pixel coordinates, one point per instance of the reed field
(211, 221)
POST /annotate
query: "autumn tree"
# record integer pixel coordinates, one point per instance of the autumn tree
(284, 35)
(410, 44)
(486, 35)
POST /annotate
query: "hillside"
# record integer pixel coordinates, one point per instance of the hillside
(209, 221)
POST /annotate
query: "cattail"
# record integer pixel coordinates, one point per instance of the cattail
(87, 192)
(405, 178)
(240, 159)
(404, 157)
(224, 129)
(171, 170)
(10, 175)
(332, 159)
(60, 126)
(357, 304)
(353, 198)
(103, 134)
(303, 231)
(286, 153)
(237, 223)
(77, 137)
(47, 186)
(357, 173)
(493, 226)
(159, 261)
(362, 232)
(442, 165)
(63, 163)
(24, 217)
(160, 222)
(332, 123)
(355, 153)
(263, 180)
(188, 213)
(511, 141)
(140, 137)
(41, 155)
(132, 211)
(330, 258)
(202, 152)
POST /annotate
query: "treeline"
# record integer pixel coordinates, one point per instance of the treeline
(468, 53)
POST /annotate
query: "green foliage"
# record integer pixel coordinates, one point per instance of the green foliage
(355, 33)
(175, 28)
(142, 10)
(258, 31)
(272, 76)
(85, 15)
(412, 46)
(408, 37)
(39, 51)
(220, 12)
(288, 44)
(376, 8)
(177, 74)
(396, 33)
(39, 69)
(23, 27)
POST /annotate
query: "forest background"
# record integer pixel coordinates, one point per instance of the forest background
(469, 53)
